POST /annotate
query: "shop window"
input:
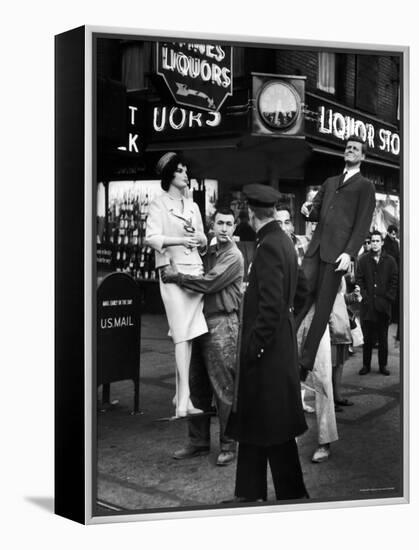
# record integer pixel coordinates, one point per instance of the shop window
(124, 223)
(387, 212)
(366, 83)
(326, 77)
(136, 65)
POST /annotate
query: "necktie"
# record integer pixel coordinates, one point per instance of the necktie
(342, 178)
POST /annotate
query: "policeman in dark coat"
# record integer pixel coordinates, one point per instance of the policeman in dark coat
(268, 414)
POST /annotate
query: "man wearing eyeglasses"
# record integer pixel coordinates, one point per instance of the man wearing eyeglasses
(366, 247)
(377, 277)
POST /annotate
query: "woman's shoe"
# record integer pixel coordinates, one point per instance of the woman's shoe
(321, 454)
(193, 410)
(181, 413)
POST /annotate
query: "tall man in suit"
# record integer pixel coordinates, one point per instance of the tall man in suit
(268, 413)
(343, 208)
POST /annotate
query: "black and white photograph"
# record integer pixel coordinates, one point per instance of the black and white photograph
(209, 275)
(249, 267)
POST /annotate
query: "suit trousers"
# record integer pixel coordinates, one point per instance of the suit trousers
(321, 380)
(373, 330)
(212, 373)
(323, 285)
(284, 462)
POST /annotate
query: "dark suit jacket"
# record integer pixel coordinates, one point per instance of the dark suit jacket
(269, 409)
(392, 248)
(344, 213)
(378, 283)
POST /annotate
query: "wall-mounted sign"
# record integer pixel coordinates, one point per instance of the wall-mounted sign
(334, 123)
(165, 122)
(155, 121)
(198, 75)
(278, 105)
(177, 118)
(133, 142)
(121, 154)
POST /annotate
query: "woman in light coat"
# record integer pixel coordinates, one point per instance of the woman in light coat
(175, 231)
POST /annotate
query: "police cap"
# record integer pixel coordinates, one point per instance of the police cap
(261, 195)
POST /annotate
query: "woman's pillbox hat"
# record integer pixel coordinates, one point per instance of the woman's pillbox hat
(163, 162)
(261, 195)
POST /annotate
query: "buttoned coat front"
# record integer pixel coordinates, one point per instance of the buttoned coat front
(268, 408)
(165, 218)
(378, 283)
(344, 211)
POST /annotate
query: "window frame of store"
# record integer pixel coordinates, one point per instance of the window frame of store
(137, 64)
(326, 72)
(339, 72)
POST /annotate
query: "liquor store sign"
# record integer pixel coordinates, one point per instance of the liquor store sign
(199, 76)
(335, 123)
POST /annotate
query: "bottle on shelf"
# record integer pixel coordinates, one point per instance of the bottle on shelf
(131, 265)
(124, 261)
(127, 216)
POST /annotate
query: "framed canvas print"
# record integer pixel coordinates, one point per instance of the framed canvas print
(231, 252)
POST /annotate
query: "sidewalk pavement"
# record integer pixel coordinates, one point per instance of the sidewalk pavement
(136, 471)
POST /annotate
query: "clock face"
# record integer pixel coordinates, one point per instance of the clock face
(278, 104)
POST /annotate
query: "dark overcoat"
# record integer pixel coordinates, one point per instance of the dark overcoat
(392, 248)
(268, 409)
(378, 283)
(344, 211)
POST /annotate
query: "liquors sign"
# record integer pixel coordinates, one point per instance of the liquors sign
(198, 75)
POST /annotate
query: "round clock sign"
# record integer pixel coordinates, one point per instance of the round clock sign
(278, 104)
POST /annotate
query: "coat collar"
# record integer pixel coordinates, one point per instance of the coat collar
(217, 251)
(382, 256)
(351, 179)
(268, 228)
(171, 204)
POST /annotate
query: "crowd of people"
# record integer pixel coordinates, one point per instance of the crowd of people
(252, 349)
